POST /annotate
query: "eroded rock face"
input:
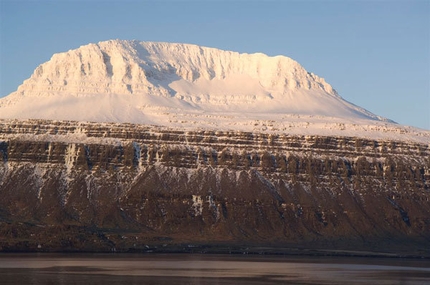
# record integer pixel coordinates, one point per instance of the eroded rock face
(154, 83)
(133, 67)
(69, 186)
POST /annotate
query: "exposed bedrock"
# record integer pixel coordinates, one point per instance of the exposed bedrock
(134, 188)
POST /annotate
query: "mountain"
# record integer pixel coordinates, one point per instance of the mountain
(138, 75)
(141, 147)
(182, 85)
(68, 186)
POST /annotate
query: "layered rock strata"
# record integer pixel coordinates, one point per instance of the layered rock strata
(100, 187)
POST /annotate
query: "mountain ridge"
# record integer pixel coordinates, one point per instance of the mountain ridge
(173, 77)
(68, 186)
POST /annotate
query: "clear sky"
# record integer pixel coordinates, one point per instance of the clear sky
(376, 54)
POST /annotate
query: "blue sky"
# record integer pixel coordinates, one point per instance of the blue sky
(376, 54)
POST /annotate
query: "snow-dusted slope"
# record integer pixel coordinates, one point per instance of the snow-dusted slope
(182, 85)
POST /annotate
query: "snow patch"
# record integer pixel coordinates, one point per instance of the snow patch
(213, 206)
(197, 205)
(71, 156)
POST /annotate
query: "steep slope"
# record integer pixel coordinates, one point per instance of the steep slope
(154, 83)
(102, 187)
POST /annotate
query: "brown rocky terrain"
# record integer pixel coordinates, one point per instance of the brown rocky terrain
(68, 186)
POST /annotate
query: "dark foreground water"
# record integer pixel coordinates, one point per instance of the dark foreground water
(207, 269)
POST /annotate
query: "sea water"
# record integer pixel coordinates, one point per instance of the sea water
(207, 269)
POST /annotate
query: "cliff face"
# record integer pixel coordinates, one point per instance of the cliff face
(133, 67)
(154, 83)
(87, 186)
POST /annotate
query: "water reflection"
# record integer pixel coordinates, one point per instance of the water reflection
(207, 269)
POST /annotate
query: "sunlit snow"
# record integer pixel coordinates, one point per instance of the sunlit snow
(191, 87)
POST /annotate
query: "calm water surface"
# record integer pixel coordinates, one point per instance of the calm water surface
(207, 269)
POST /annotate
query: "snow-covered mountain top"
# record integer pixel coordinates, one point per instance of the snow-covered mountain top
(181, 85)
(129, 64)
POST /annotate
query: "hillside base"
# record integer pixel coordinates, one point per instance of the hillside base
(62, 238)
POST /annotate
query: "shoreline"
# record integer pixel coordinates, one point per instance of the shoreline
(230, 251)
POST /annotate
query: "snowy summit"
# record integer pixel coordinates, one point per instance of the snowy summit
(183, 85)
